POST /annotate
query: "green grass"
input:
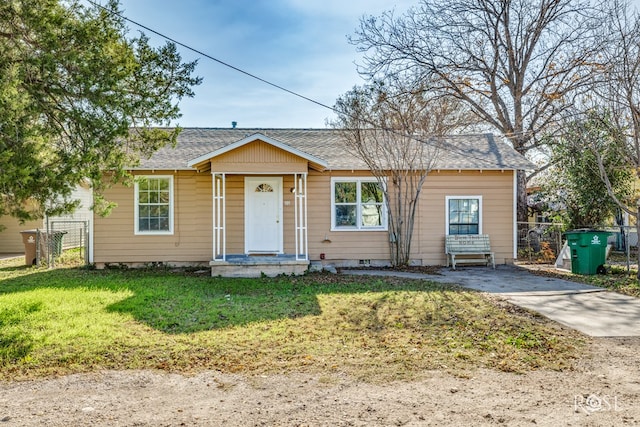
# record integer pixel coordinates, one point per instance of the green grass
(78, 320)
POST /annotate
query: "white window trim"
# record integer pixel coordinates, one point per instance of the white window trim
(446, 209)
(385, 220)
(136, 223)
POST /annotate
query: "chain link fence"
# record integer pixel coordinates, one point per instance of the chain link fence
(63, 243)
(539, 242)
(624, 241)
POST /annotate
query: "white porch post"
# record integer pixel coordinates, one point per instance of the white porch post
(300, 213)
(219, 209)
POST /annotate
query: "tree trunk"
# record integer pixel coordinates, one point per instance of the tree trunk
(522, 206)
(638, 231)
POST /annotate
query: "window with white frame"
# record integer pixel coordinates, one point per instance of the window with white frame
(357, 204)
(464, 215)
(154, 205)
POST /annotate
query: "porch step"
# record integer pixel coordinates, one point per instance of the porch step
(257, 266)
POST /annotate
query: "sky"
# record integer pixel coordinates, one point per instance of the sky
(297, 44)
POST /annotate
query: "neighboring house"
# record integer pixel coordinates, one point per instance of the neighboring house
(276, 199)
(11, 239)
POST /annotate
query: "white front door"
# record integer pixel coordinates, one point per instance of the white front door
(263, 214)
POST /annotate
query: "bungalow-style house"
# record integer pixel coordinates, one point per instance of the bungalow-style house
(269, 201)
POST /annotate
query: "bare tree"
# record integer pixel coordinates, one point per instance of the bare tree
(393, 131)
(517, 64)
(616, 88)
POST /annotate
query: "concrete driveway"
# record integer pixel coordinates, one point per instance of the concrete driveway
(591, 310)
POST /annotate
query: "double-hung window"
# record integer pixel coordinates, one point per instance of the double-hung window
(154, 205)
(357, 204)
(464, 214)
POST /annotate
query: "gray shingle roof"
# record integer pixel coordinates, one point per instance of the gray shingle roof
(481, 151)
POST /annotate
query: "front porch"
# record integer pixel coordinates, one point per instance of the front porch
(258, 265)
(259, 207)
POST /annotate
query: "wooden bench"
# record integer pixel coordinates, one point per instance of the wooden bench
(469, 248)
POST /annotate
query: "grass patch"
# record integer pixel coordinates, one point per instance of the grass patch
(376, 329)
(617, 279)
(73, 257)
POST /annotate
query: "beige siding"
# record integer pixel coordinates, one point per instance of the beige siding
(115, 241)
(289, 216)
(10, 237)
(10, 227)
(496, 189)
(339, 245)
(235, 214)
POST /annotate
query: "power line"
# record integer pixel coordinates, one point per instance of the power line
(441, 145)
(219, 61)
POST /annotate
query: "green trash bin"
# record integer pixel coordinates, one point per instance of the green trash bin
(588, 250)
(56, 242)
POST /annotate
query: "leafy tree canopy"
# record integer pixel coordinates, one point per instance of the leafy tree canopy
(591, 145)
(78, 97)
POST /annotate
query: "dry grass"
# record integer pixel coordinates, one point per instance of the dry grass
(375, 329)
(617, 279)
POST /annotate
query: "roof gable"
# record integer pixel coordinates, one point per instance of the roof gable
(316, 162)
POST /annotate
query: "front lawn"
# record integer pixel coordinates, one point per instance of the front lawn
(376, 329)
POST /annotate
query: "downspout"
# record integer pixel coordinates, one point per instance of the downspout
(91, 230)
(515, 214)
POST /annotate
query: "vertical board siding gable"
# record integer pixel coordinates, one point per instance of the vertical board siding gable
(259, 157)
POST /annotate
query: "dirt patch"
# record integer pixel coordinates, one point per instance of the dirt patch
(602, 390)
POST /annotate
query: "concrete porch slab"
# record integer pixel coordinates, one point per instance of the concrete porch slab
(257, 266)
